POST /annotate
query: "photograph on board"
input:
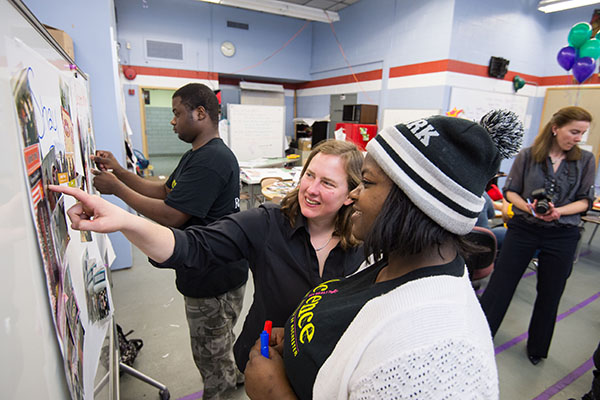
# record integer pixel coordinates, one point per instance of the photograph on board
(68, 132)
(24, 105)
(88, 148)
(59, 228)
(86, 179)
(50, 260)
(74, 357)
(50, 169)
(25, 112)
(73, 339)
(96, 292)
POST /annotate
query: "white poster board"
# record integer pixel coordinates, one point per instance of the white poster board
(256, 131)
(56, 303)
(474, 104)
(392, 116)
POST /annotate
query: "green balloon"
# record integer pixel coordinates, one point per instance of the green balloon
(579, 34)
(591, 48)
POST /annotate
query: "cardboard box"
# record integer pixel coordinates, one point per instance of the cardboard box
(63, 40)
(304, 144)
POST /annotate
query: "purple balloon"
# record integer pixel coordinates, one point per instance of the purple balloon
(566, 57)
(583, 68)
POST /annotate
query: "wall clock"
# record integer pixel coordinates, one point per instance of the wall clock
(228, 49)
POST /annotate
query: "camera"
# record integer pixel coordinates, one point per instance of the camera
(542, 198)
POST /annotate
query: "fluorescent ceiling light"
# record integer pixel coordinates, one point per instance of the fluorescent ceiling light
(549, 6)
(281, 8)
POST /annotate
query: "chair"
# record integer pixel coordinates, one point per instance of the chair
(589, 218)
(481, 264)
(266, 182)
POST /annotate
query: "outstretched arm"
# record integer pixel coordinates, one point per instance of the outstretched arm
(154, 208)
(92, 213)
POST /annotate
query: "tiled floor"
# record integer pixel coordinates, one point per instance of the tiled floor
(147, 302)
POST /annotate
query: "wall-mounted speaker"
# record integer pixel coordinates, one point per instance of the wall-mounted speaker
(498, 67)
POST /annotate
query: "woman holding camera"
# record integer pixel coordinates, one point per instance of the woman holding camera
(550, 185)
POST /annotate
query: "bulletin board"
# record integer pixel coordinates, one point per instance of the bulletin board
(56, 302)
(256, 131)
(474, 104)
(588, 98)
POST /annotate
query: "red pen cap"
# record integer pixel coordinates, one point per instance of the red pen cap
(268, 327)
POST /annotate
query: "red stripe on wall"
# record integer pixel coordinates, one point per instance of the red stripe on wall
(178, 73)
(482, 70)
(418, 69)
(338, 80)
(453, 66)
(395, 72)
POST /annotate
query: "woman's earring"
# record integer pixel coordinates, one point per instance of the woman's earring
(554, 134)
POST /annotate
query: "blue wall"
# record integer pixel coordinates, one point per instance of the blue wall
(512, 29)
(390, 31)
(313, 106)
(202, 27)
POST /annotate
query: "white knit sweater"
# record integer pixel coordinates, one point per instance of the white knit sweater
(426, 339)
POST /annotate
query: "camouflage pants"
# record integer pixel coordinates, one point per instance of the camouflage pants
(211, 321)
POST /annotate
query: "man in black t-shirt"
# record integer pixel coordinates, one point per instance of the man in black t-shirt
(204, 187)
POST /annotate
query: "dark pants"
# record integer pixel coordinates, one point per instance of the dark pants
(555, 261)
(596, 382)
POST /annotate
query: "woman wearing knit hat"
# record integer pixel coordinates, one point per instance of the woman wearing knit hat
(409, 325)
(557, 178)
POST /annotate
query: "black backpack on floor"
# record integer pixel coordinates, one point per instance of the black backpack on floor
(128, 348)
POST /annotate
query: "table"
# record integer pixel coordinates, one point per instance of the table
(251, 177)
(278, 189)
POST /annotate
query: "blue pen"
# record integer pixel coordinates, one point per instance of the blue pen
(264, 344)
(532, 212)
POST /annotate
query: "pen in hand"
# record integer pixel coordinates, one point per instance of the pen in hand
(264, 344)
(268, 327)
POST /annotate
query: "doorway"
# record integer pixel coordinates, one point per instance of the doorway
(336, 108)
(161, 145)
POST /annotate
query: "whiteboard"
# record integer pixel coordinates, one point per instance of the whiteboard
(256, 131)
(52, 335)
(476, 103)
(392, 117)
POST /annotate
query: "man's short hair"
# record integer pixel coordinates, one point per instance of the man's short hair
(194, 95)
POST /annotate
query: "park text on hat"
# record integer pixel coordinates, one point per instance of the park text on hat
(443, 164)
